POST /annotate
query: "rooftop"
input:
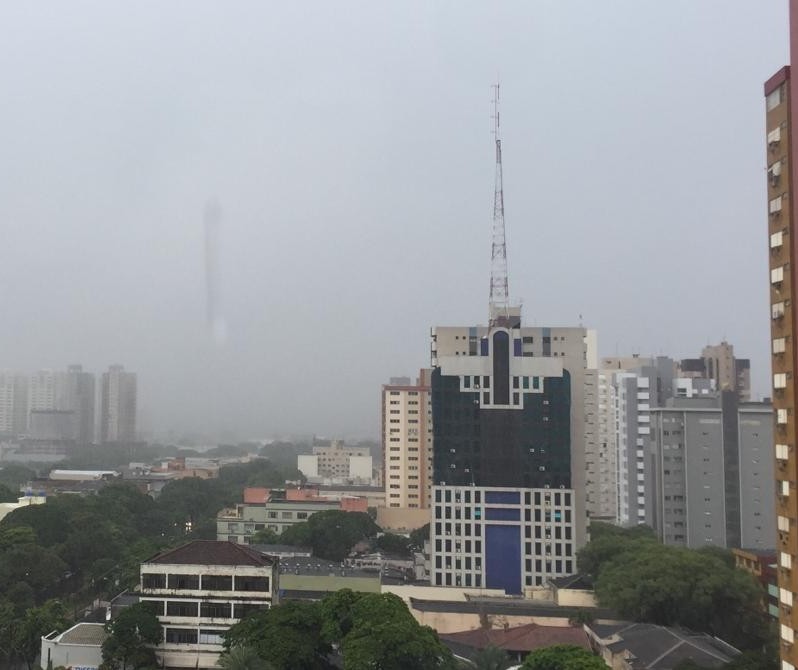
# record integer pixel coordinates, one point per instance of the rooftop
(320, 567)
(576, 582)
(659, 647)
(519, 638)
(82, 633)
(212, 552)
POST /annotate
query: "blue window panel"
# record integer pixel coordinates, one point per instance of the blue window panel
(502, 497)
(536, 383)
(502, 514)
(503, 558)
(517, 347)
(483, 346)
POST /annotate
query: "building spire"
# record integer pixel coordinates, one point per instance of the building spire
(499, 290)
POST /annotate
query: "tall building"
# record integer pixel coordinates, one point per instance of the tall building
(406, 442)
(508, 453)
(79, 398)
(13, 403)
(118, 418)
(718, 363)
(46, 390)
(511, 438)
(781, 109)
(712, 473)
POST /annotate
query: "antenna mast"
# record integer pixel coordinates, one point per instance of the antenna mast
(499, 290)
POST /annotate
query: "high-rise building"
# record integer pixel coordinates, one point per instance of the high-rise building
(718, 363)
(781, 109)
(712, 472)
(79, 398)
(406, 442)
(118, 418)
(46, 391)
(13, 403)
(512, 433)
(508, 453)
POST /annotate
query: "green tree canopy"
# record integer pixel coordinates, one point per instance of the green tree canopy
(563, 657)
(393, 544)
(332, 533)
(492, 658)
(266, 536)
(418, 537)
(131, 637)
(286, 636)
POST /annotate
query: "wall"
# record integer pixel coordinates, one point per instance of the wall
(402, 518)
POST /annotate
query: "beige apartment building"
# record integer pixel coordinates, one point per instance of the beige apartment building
(406, 451)
(782, 148)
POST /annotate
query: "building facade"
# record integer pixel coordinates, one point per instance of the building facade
(119, 401)
(713, 474)
(406, 442)
(781, 150)
(13, 403)
(201, 589)
(509, 435)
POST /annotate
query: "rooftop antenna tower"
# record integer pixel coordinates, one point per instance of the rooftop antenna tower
(499, 290)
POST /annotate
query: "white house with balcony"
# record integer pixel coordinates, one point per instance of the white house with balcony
(199, 590)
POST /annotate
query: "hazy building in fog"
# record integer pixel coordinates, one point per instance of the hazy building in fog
(46, 391)
(79, 398)
(52, 425)
(13, 403)
(118, 413)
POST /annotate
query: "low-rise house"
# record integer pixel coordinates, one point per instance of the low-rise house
(201, 589)
(277, 510)
(647, 646)
(79, 648)
(516, 641)
(308, 578)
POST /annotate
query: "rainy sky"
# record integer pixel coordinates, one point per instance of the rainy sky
(345, 148)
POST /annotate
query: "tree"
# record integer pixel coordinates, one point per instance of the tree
(694, 589)
(402, 645)
(337, 615)
(7, 494)
(265, 536)
(563, 657)
(243, 657)
(131, 637)
(418, 537)
(332, 533)
(492, 658)
(26, 636)
(393, 544)
(287, 636)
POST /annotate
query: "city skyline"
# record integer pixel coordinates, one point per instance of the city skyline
(375, 226)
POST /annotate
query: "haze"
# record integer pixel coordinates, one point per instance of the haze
(348, 146)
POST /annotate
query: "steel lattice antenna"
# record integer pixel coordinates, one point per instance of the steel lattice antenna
(499, 290)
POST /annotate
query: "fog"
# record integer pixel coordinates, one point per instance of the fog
(348, 147)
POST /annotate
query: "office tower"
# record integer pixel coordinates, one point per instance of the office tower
(508, 451)
(79, 398)
(13, 403)
(53, 425)
(713, 472)
(510, 433)
(406, 442)
(781, 153)
(719, 364)
(118, 419)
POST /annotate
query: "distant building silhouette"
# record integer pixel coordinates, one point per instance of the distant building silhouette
(118, 418)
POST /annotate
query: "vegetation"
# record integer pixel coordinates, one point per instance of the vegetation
(643, 580)
(371, 630)
(492, 658)
(332, 533)
(563, 657)
(394, 544)
(130, 639)
(418, 537)
(21, 630)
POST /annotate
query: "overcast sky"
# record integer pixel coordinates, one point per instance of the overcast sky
(348, 145)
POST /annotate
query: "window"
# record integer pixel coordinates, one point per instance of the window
(217, 582)
(779, 345)
(186, 582)
(211, 636)
(780, 380)
(215, 610)
(775, 98)
(182, 608)
(783, 523)
(153, 581)
(240, 610)
(252, 583)
(181, 635)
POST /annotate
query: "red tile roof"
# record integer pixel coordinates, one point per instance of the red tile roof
(212, 552)
(255, 495)
(520, 638)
